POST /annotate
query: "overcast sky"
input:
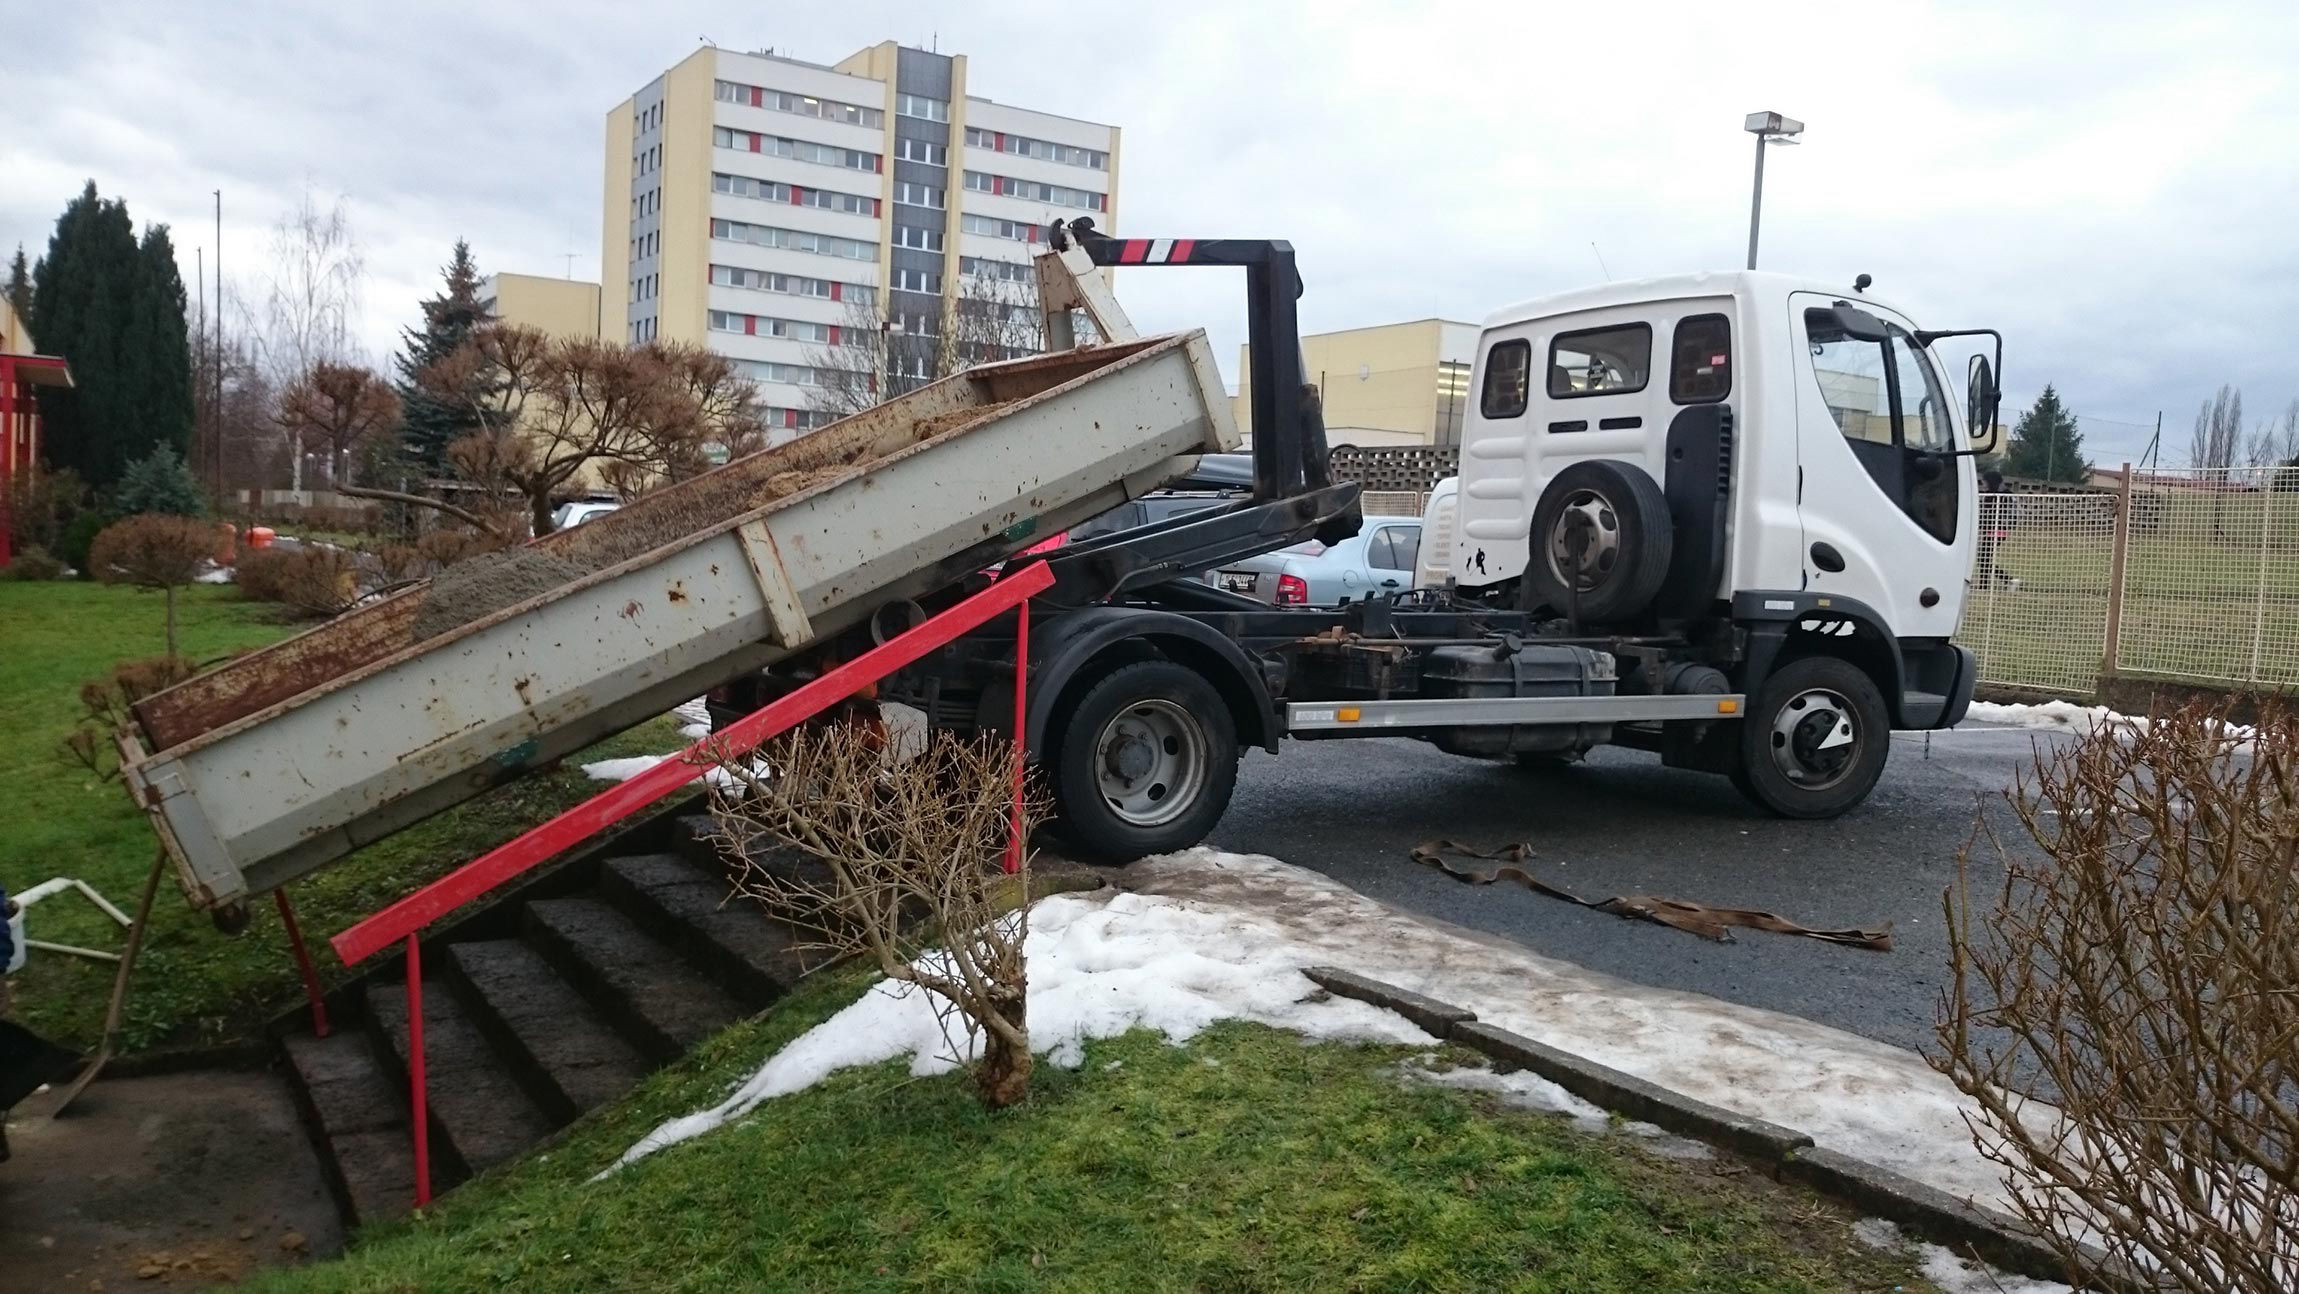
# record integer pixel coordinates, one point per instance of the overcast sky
(2116, 194)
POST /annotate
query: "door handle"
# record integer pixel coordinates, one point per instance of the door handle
(1388, 584)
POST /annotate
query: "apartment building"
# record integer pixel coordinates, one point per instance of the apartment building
(1390, 384)
(778, 210)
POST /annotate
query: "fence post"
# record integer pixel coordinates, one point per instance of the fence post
(303, 965)
(2259, 604)
(2115, 569)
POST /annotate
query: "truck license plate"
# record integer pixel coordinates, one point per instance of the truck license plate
(1238, 581)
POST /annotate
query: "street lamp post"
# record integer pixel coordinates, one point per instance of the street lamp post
(1769, 128)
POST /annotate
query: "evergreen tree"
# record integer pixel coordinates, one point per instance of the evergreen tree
(20, 287)
(159, 482)
(116, 312)
(2045, 443)
(431, 418)
(161, 346)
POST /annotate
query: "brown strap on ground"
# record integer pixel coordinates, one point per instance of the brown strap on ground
(1681, 914)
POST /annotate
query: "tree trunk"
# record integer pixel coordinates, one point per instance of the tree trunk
(1003, 1074)
(540, 506)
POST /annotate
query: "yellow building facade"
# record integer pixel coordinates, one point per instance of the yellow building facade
(1390, 384)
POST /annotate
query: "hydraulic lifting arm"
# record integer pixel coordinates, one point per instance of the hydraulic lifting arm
(1288, 423)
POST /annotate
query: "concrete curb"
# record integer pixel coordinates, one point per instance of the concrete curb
(1933, 1214)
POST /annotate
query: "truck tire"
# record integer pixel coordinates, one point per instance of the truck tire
(1629, 534)
(1815, 739)
(1144, 764)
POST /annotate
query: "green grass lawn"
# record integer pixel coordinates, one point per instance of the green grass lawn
(193, 985)
(1247, 1160)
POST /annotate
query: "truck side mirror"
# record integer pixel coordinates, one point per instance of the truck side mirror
(1858, 324)
(1980, 400)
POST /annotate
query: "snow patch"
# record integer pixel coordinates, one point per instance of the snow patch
(218, 575)
(2083, 720)
(694, 719)
(1956, 1275)
(1522, 1090)
(623, 770)
(1203, 935)
(1101, 964)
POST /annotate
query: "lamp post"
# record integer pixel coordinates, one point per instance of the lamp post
(1769, 128)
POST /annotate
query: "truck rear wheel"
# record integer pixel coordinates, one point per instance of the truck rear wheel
(1815, 739)
(1145, 763)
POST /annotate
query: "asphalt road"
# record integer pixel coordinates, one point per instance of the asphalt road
(1621, 824)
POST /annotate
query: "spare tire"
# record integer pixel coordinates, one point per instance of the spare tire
(1626, 541)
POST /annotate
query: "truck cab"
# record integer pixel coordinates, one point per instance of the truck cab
(1838, 465)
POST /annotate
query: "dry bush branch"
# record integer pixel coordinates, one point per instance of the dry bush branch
(904, 864)
(2144, 975)
(106, 709)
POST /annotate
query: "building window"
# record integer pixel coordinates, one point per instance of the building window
(919, 195)
(1034, 191)
(1615, 360)
(918, 238)
(921, 107)
(744, 186)
(917, 281)
(1020, 231)
(1043, 150)
(803, 105)
(796, 240)
(803, 150)
(762, 370)
(1700, 360)
(999, 271)
(1508, 368)
(796, 285)
(919, 150)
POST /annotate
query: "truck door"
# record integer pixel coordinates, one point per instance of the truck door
(1880, 499)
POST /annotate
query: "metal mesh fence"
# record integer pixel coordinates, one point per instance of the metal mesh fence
(2036, 607)
(2211, 576)
(2209, 588)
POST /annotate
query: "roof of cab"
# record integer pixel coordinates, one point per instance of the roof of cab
(1668, 287)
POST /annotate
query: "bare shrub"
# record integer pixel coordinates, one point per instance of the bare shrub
(312, 580)
(398, 563)
(447, 546)
(33, 563)
(2145, 976)
(105, 706)
(907, 861)
(153, 551)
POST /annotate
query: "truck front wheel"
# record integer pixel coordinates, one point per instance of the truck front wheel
(1815, 739)
(1145, 764)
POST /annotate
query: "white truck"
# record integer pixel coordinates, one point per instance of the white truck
(1726, 518)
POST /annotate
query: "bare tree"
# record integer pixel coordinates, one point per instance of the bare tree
(2275, 441)
(711, 416)
(905, 866)
(634, 416)
(2218, 437)
(880, 356)
(154, 552)
(2141, 978)
(344, 407)
(312, 300)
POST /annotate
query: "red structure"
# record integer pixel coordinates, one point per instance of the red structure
(20, 370)
(402, 923)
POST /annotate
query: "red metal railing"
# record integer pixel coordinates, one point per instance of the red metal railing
(403, 922)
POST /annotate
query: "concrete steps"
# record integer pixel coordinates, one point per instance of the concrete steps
(542, 1011)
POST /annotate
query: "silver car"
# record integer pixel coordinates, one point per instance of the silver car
(1377, 560)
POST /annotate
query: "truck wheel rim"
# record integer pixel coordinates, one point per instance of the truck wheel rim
(1603, 552)
(1814, 739)
(1150, 762)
